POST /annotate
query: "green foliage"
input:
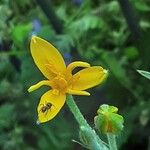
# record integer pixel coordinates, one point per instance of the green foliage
(146, 74)
(20, 32)
(131, 52)
(5, 121)
(94, 31)
(139, 5)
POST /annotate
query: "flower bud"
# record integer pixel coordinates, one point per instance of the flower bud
(107, 120)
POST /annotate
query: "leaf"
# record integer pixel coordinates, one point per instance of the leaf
(144, 24)
(82, 25)
(21, 32)
(116, 68)
(131, 52)
(141, 6)
(7, 115)
(146, 74)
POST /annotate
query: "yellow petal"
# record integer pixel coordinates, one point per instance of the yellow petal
(50, 104)
(75, 64)
(39, 84)
(75, 92)
(46, 57)
(89, 77)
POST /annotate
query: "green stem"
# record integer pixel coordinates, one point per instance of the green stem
(112, 141)
(76, 112)
(47, 7)
(94, 142)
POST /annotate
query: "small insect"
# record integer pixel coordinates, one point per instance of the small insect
(46, 107)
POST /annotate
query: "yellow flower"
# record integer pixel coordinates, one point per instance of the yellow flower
(60, 78)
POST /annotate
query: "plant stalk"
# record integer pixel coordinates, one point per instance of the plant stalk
(47, 7)
(112, 141)
(94, 142)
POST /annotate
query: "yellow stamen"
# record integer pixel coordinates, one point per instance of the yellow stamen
(59, 83)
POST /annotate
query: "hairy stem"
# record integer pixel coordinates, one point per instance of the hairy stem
(90, 136)
(76, 112)
(112, 141)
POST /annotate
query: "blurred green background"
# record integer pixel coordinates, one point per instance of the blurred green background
(111, 33)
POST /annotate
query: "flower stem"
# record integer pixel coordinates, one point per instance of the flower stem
(76, 112)
(94, 142)
(112, 141)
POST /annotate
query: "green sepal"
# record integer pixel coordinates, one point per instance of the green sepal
(107, 120)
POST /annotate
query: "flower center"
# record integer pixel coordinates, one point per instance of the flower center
(59, 84)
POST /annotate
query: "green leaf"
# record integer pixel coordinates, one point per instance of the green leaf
(116, 68)
(6, 110)
(141, 6)
(146, 74)
(21, 32)
(144, 24)
(88, 22)
(131, 52)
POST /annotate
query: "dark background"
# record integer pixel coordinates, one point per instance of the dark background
(113, 34)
